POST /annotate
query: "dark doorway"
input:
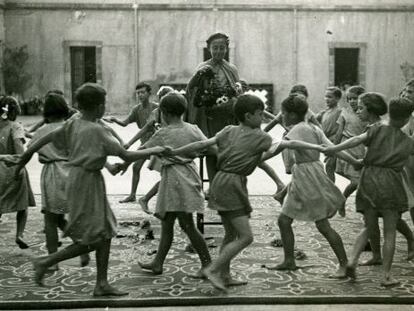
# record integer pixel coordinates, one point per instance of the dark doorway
(346, 67)
(207, 55)
(83, 66)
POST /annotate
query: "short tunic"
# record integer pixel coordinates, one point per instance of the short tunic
(180, 186)
(328, 119)
(139, 115)
(55, 172)
(352, 126)
(382, 184)
(15, 195)
(240, 149)
(311, 195)
(91, 219)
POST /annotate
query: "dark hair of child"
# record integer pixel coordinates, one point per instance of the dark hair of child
(140, 85)
(55, 107)
(336, 91)
(247, 103)
(299, 88)
(164, 90)
(400, 108)
(375, 103)
(13, 108)
(356, 89)
(218, 35)
(296, 105)
(55, 91)
(173, 103)
(90, 95)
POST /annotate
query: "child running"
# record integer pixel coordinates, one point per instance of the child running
(92, 223)
(15, 194)
(180, 193)
(311, 195)
(382, 190)
(350, 125)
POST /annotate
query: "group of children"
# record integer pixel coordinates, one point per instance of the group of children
(76, 150)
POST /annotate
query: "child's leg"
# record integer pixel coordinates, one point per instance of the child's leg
(288, 240)
(245, 238)
(272, 174)
(51, 225)
(211, 164)
(405, 230)
(390, 218)
(350, 189)
(167, 236)
(143, 201)
(21, 219)
(336, 244)
(330, 166)
(412, 214)
(136, 169)
(186, 222)
(374, 237)
(102, 287)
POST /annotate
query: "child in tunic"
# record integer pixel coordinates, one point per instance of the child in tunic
(15, 194)
(382, 189)
(350, 125)
(92, 223)
(180, 193)
(311, 195)
(54, 174)
(328, 119)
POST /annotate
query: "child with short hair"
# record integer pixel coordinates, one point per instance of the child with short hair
(180, 192)
(328, 119)
(311, 195)
(92, 223)
(382, 190)
(350, 125)
(15, 194)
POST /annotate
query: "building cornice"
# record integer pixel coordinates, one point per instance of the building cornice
(16, 5)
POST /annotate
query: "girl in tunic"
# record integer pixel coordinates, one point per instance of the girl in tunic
(15, 194)
(311, 195)
(180, 192)
(382, 190)
(54, 174)
(91, 223)
(350, 125)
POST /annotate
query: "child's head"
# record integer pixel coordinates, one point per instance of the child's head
(299, 89)
(55, 108)
(333, 95)
(91, 98)
(9, 108)
(371, 105)
(400, 109)
(143, 91)
(352, 94)
(55, 91)
(294, 109)
(408, 91)
(164, 90)
(248, 109)
(173, 104)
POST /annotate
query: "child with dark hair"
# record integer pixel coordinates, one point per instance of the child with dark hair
(328, 119)
(311, 195)
(382, 191)
(15, 193)
(350, 125)
(139, 115)
(92, 223)
(180, 193)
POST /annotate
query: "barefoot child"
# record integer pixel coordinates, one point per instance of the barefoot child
(92, 223)
(311, 195)
(381, 191)
(15, 194)
(180, 194)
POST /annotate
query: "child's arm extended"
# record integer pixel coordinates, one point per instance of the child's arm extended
(138, 135)
(291, 144)
(349, 143)
(208, 144)
(132, 156)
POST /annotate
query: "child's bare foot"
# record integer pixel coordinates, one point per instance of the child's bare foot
(340, 273)
(229, 281)
(198, 275)
(144, 205)
(389, 281)
(284, 266)
(151, 267)
(128, 199)
(215, 279)
(40, 269)
(108, 290)
(350, 272)
(371, 262)
(84, 260)
(22, 244)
